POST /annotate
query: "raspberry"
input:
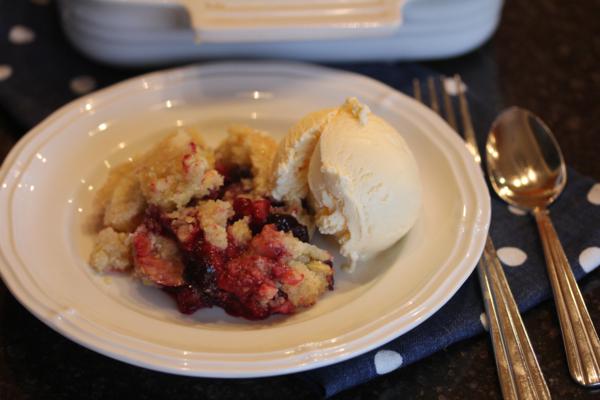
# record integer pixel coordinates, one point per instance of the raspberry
(260, 211)
(242, 207)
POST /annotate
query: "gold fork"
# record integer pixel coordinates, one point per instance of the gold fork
(518, 369)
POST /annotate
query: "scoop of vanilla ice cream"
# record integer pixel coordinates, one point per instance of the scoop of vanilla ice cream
(290, 165)
(364, 182)
(359, 174)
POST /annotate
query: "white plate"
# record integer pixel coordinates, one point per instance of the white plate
(50, 177)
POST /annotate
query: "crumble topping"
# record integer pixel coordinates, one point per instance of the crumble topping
(112, 251)
(125, 205)
(313, 284)
(206, 232)
(251, 148)
(240, 231)
(213, 221)
(176, 170)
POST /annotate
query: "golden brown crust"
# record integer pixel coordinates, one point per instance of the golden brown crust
(251, 148)
(176, 170)
(112, 251)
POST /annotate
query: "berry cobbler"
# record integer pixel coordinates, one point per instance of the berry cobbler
(200, 225)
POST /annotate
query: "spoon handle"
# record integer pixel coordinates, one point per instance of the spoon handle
(579, 335)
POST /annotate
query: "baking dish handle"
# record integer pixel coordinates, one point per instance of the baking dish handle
(222, 21)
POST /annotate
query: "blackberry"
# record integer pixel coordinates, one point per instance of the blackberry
(287, 223)
(188, 298)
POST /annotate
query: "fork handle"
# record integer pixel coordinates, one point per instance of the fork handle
(579, 335)
(519, 373)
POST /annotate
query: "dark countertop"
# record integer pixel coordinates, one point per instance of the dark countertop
(544, 57)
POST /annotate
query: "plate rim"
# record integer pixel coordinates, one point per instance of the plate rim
(304, 360)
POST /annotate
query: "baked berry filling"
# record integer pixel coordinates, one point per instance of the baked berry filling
(221, 242)
(244, 279)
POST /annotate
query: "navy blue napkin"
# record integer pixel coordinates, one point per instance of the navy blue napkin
(39, 72)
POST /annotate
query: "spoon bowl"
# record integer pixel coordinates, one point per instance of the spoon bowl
(527, 170)
(524, 161)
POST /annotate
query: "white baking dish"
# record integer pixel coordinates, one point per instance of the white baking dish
(150, 32)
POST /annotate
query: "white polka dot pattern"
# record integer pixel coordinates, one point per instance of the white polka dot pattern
(386, 361)
(20, 34)
(516, 210)
(82, 84)
(450, 87)
(5, 72)
(511, 256)
(593, 195)
(589, 259)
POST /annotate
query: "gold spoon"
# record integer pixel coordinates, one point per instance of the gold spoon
(527, 170)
